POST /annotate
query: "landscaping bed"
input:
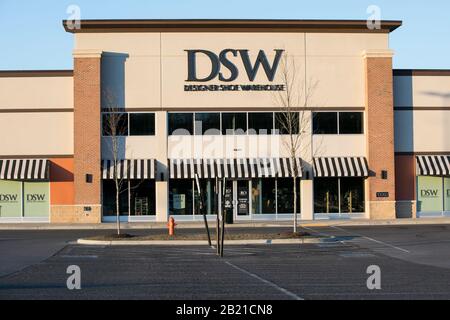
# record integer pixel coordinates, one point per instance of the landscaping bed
(202, 236)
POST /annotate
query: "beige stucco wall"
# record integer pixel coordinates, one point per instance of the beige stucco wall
(130, 65)
(422, 91)
(335, 145)
(43, 133)
(431, 130)
(423, 124)
(36, 93)
(336, 67)
(174, 67)
(134, 63)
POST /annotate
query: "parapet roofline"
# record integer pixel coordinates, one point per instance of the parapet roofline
(421, 72)
(35, 73)
(243, 25)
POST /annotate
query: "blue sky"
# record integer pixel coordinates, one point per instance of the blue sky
(32, 37)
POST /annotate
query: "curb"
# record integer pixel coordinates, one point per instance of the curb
(199, 242)
(199, 224)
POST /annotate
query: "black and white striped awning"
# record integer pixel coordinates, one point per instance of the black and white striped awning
(129, 169)
(341, 167)
(433, 165)
(233, 168)
(24, 169)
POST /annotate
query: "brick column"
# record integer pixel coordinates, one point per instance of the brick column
(380, 133)
(87, 143)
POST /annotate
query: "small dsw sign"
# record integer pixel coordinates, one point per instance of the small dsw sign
(35, 197)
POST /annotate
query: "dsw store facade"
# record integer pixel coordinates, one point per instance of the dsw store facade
(433, 186)
(24, 190)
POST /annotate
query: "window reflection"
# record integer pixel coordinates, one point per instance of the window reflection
(263, 196)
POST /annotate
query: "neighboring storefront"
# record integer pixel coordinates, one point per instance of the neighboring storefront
(24, 190)
(433, 186)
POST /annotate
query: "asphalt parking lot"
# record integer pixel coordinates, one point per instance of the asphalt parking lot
(414, 263)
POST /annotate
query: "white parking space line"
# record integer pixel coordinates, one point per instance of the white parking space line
(372, 239)
(269, 283)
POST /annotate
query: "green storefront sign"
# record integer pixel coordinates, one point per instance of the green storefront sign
(433, 194)
(429, 194)
(10, 199)
(447, 194)
(36, 199)
(24, 199)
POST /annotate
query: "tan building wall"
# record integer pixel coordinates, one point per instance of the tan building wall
(36, 133)
(130, 66)
(36, 113)
(134, 63)
(422, 113)
(425, 91)
(36, 92)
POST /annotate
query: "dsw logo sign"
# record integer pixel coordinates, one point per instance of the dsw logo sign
(8, 197)
(35, 197)
(429, 193)
(226, 59)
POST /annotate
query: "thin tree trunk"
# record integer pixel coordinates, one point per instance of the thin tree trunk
(295, 204)
(117, 210)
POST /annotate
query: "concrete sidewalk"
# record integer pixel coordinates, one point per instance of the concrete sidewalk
(238, 224)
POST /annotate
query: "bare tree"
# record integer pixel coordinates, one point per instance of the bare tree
(295, 118)
(115, 126)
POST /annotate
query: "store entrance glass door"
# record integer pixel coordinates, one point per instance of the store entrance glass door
(236, 200)
(241, 199)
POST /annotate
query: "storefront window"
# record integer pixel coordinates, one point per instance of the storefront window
(10, 198)
(234, 123)
(429, 195)
(350, 122)
(447, 194)
(142, 124)
(181, 123)
(142, 193)
(285, 198)
(109, 198)
(36, 199)
(287, 122)
(325, 123)
(180, 197)
(263, 196)
(352, 195)
(326, 196)
(260, 122)
(207, 123)
(207, 188)
(115, 124)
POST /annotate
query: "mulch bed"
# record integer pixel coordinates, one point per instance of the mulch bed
(202, 236)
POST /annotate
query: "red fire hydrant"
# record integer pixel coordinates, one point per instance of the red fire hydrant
(171, 225)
